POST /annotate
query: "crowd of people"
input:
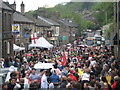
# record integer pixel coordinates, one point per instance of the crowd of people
(84, 68)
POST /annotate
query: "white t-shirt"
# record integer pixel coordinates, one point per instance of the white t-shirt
(51, 85)
(86, 76)
(44, 83)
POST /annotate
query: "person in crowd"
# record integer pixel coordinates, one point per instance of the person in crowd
(54, 78)
(56, 70)
(116, 84)
(21, 84)
(97, 86)
(13, 84)
(33, 86)
(72, 76)
(44, 82)
(85, 77)
(26, 81)
(22, 71)
(63, 82)
(69, 85)
(86, 67)
(4, 86)
(51, 85)
(33, 76)
(75, 85)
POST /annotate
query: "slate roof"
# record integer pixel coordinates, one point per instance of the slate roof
(48, 21)
(6, 6)
(68, 22)
(38, 21)
(18, 17)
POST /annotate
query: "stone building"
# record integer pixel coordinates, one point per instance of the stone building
(40, 26)
(31, 24)
(6, 38)
(25, 28)
(68, 31)
(52, 33)
(56, 31)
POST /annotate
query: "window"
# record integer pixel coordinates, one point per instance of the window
(49, 33)
(57, 31)
(4, 21)
(9, 22)
(8, 47)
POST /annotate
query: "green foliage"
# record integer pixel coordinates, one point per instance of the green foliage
(109, 31)
(90, 25)
(104, 12)
(73, 10)
(31, 12)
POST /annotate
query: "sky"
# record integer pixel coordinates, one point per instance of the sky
(34, 4)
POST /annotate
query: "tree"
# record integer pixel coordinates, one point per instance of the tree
(73, 10)
(108, 31)
(91, 25)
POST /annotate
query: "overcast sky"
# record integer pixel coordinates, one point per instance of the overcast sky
(34, 4)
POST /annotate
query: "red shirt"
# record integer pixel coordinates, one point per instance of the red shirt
(73, 77)
(114, 85)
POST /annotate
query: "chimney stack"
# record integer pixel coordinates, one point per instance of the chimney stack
(22, 8)
(14, 5)
(7, 2)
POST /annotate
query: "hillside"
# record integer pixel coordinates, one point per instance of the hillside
(85, 14)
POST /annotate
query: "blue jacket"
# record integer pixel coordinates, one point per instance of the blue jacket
(54, 78)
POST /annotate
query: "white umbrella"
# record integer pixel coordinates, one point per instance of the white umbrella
(43, 65)
(82, 45)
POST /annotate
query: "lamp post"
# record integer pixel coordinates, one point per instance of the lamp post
(105, 16)
(118, 48)
(0, 28)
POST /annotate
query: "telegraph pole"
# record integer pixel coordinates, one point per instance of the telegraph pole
(118, 47)
(0, 28)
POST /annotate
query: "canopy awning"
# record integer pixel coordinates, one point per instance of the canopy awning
(17, 48)
(41, 42)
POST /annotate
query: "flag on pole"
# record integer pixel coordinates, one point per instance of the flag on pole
(34, 38)
(26, 35)
(64, 59)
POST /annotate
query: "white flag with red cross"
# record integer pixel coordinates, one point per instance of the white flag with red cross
(34, 38)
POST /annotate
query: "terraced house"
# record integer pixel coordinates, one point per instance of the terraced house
(6, 38)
